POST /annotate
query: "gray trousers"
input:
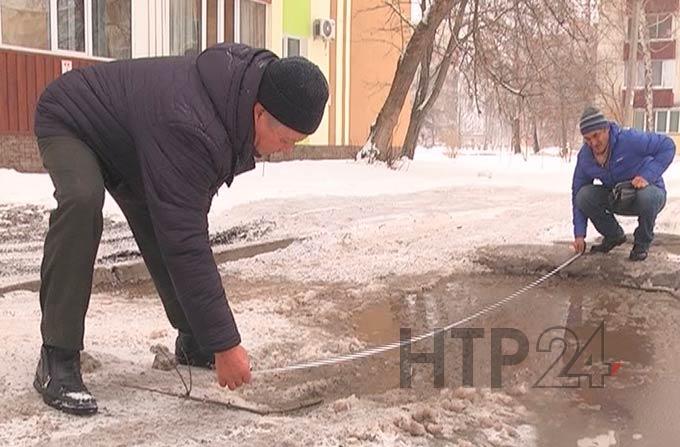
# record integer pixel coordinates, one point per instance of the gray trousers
(75, 229)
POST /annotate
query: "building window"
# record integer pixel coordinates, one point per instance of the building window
(667, 121)
(663, 73)
(639, 119)
(674, 120)
(185, 27)
(253, 23)
(71, 25)
(111, 28)
(294, 46)
(25, 23)
(660, 26)
(661, 120)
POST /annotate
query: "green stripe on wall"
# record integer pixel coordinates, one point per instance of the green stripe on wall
(297, 18)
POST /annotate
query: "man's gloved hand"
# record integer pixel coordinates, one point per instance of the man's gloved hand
(579, 244)
(233, 367)
(639, 182)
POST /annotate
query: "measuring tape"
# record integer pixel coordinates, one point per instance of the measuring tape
(388, 347)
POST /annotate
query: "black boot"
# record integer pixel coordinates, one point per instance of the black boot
(608, 244)
(188, 352)
(638, 253)
(59, 382)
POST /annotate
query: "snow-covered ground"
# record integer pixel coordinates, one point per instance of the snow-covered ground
(432, 169)
(364, 235)
(285, 195)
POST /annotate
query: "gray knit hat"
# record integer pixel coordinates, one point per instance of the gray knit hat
(592, 119)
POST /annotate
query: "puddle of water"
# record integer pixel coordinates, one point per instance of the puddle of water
(377, 323)
(451, 300)
(638, 405)
(634, 402)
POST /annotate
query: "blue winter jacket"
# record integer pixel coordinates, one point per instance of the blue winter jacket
(633, 153)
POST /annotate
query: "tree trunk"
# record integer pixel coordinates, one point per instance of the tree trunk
(411, 139)
(454, 82)
(422, 37)
(564, 145)
(486, 132)
(631, 64)
(516, 144)
(647, 58)
(425, 101)
(416, 119)
(563, 123)
(537, 147)
(459, 117)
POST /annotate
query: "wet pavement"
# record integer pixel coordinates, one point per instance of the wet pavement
(637, 405)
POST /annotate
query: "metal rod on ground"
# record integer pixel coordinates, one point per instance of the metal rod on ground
(230, 405)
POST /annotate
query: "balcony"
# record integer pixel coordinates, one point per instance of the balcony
(661, 98)
(661, 50)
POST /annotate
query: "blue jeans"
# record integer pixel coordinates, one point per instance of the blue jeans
(593, 200)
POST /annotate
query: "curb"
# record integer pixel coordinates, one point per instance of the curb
(135, 271)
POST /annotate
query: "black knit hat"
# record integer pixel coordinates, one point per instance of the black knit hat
(592, 119)
(294, 91)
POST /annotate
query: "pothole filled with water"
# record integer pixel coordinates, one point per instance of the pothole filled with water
(619, 340)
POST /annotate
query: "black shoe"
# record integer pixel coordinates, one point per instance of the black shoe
(188, 352)
(608, 244)
(638, 253)
(59, 382)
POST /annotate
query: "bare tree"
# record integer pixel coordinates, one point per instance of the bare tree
(631, 65)
(528, 65)
(647, 58)
(380, 137)
(426, 94)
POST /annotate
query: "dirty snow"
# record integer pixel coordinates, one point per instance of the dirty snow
(432, 169)
(365, 234)
(605, 440)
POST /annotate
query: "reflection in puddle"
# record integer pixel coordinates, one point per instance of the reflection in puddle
(637, 401)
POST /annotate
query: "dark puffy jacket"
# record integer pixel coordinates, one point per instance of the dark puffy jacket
(169, 131)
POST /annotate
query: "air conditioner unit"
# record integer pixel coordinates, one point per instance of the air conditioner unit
(324, 29)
